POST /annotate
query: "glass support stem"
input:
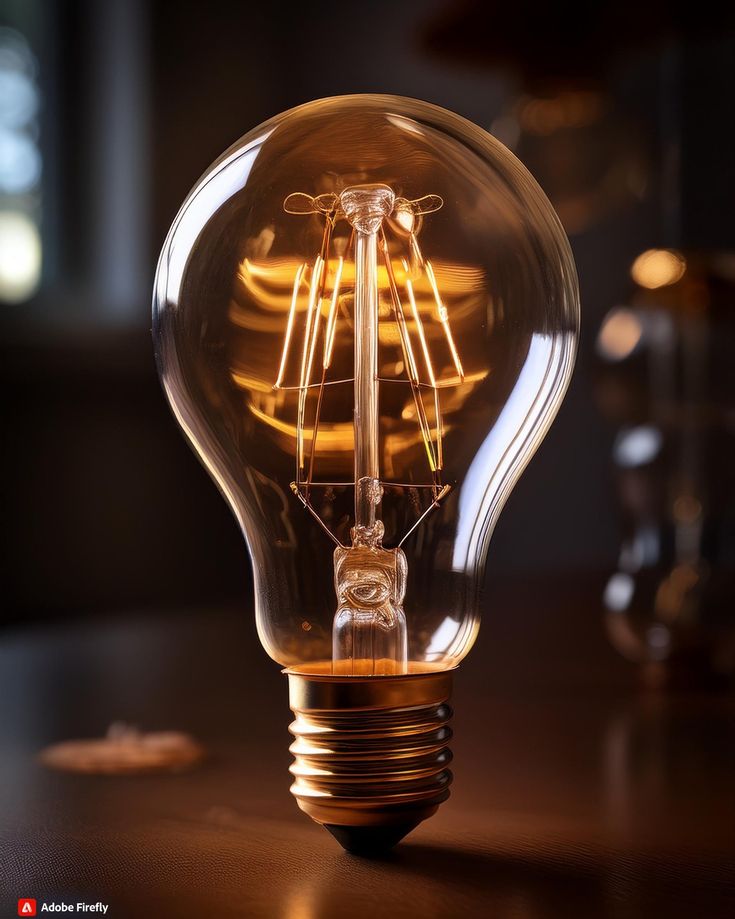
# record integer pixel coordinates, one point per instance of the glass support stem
(367, 466)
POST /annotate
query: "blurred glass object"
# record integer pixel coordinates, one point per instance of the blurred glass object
(20, 170)
(666, 381)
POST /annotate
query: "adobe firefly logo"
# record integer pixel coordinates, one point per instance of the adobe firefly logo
(27, 907)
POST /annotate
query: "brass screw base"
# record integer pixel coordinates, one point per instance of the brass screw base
(370, 753)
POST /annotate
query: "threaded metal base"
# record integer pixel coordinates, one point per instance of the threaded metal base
(370, 753)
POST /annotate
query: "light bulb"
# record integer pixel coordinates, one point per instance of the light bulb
(365, 317)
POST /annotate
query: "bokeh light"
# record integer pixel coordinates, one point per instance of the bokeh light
(619, 334)
(20, 256)
(656, 268)
(637, 446)
(20, 169)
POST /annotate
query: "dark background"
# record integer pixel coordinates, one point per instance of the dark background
(105, 508)
(579, 789)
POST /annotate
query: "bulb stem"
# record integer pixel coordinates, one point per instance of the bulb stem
(366, 412)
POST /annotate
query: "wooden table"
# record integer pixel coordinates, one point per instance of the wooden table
(575, 794)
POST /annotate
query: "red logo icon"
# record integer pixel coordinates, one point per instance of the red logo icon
(26, 907)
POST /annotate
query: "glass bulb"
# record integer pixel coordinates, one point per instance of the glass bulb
(366, 316)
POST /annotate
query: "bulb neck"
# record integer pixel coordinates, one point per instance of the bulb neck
(371, 754)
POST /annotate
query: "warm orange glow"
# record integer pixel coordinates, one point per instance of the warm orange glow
(620, 333)
(289, 327)
(249, 382)
(269, 283)
(420, 328)
(443, 318)
(338, 436)
(409, 359)
(332, 320)
(312, 317)
(429, 369)
(571, 109)
(465, 378)
(658, 268)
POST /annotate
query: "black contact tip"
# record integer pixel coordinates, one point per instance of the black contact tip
(370, 840)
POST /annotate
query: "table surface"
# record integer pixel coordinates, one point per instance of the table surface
(575, 793)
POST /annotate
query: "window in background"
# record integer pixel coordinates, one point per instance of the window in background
(74, 89)
(20, 169)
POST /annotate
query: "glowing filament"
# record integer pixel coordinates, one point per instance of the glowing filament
(289, 327)
(308, 352)
(409, 358)
(444, 318)
(356, 271)
(429, 367)
(420, 328)
(332, 320)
